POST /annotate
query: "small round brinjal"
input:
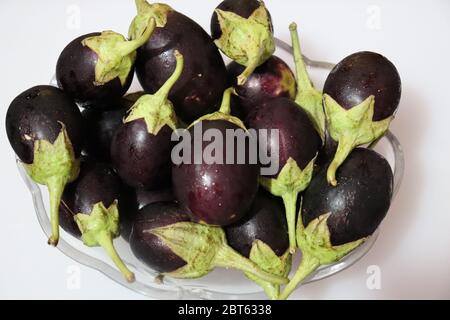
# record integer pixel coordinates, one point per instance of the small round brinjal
(265, 221)
(263, 237)
(148, 247)
(163, 238)
(135, 200)
(361, 95)
(243, 31)
(291, 146)
(101, 125)
(338, 219)
(90, 209)
(216, 181)
(270, 80)
(45, 129)
(141, 147)
(97, 68)
(200, 87)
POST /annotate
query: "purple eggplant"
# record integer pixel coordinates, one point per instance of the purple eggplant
(270, 80)
(45, 129)
(243, 31)
(96, 69)
(333, 221)
(361, 96)
(90, 209)
(141, 147)
(216, 191)
(295, 144)
(200, 87)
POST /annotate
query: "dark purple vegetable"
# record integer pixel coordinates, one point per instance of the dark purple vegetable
(136, 199)
(145, 197)
(360, 201)
(200, 87)
(361, 95)
(165, 240)
(243, 31)
(336, 220)
(361, 75)
(96, 69)
(148, 247)
(141, 147)
(44, 127)
(215, 191)
(295, 145)
(265, 221)
(270, 80)
(101, 125)
(92, 204)
(263, 237)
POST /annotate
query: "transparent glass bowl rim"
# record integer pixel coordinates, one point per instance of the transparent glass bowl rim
(192, 292)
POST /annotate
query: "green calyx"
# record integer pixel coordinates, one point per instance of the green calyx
(317, 250)
(249, 42)
(308, 97)
(116, 55)
(351, 128)
(267, 260)
(223, 113)
(99, 228)
(205, 247)
(54, 165)
(156, 110)
(290, 182)
(146, 11)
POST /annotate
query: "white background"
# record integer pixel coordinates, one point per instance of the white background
(412, 251)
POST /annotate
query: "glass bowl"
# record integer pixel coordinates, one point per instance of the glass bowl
(221, 283)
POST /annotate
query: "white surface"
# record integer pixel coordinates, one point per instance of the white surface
(412, 252)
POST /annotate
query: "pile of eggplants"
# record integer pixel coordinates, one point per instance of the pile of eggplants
(107, 157)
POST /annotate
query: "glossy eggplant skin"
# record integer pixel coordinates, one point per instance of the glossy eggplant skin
(132, 200)
(297, 137)
(101, 126)
(327, 151)
(363, 74)
(270, 80)
(75, 74)
(37, 114)
(358, 203)
(97, 182)
(141, 159)
(265, 221)
(146, 246)
(216, 194)
(145, 197)
(199, 89)
(239, 7)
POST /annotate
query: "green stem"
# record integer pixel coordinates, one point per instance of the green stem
(225, 107)
(163, 92)
(290, 205)
(345, 146)
(55, 187)
(303, 81)
(308, 265)
(250, 67)
(105, 240)
(226, 257)
(141, 5)
(128, 47)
